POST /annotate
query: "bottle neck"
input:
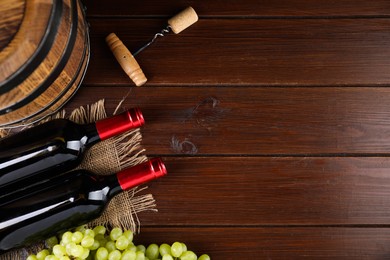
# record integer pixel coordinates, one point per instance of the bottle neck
(120, 123)
(141, 173)
(113, 183)
(92, 134)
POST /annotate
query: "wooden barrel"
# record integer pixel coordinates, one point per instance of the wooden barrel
(44, 53)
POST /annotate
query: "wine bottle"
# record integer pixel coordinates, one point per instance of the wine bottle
(57, 144)
(66, 201)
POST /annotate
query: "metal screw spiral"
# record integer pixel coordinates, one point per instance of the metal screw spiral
(159, 34)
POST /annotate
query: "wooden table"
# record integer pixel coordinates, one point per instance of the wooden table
(273, 118)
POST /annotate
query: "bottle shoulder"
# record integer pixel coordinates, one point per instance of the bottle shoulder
(74, 186)
(56, 136)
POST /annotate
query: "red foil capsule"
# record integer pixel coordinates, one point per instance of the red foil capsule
(141, 173)
(112, 126)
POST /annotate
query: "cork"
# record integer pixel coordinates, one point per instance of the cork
(183, 20)
(126, 60)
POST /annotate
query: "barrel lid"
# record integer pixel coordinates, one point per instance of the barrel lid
(10, 20)
(26, 41)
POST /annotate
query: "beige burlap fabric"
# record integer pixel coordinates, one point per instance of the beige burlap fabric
(107, 157)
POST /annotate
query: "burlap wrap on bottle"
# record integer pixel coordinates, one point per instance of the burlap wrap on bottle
(106, 157)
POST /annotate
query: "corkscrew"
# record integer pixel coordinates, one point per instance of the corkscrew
(126, 59)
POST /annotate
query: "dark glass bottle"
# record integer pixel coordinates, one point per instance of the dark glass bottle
(57, 144)
(66, 201)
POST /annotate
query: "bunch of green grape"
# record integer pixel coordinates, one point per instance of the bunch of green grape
(100, 244)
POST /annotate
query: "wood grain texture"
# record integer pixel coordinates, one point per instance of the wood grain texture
(256, 52)
(272, 118)
(43, 65)
(126, 60)
(272, 191)
(27, 39)
(256, 121)
(237, 8)
(10, 20)
(277, 243)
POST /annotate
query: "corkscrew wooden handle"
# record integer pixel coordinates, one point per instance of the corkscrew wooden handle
(126, 59)
(183, 20)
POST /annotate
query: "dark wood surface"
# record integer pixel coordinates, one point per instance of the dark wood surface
(273, 118)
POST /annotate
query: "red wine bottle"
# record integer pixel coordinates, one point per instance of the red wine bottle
(57, 144)
(64, 202)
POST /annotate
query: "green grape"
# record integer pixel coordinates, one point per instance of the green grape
(110, 245)
(114, 255)
(85, 253)
(69, 247)
(96, 244)
(184, 247)
(128, 255)
(89, 232)
(132, 247)
(67, 237)
(50, 242)
(102, 239)
(152, 252)
(99, 237)
(188, 255)
(115, 233)
(99, 230)
(81, 228)
(101, 254)
(122, 243)
(42, 254)
(141, 248)
(87, 241)
(176, 249)
(167, 257)
(129, 235)
(77, 237)
(165, 249)
(204, 257)
(59, 250)
(77, 250)
(140, 255)
(62, 243)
